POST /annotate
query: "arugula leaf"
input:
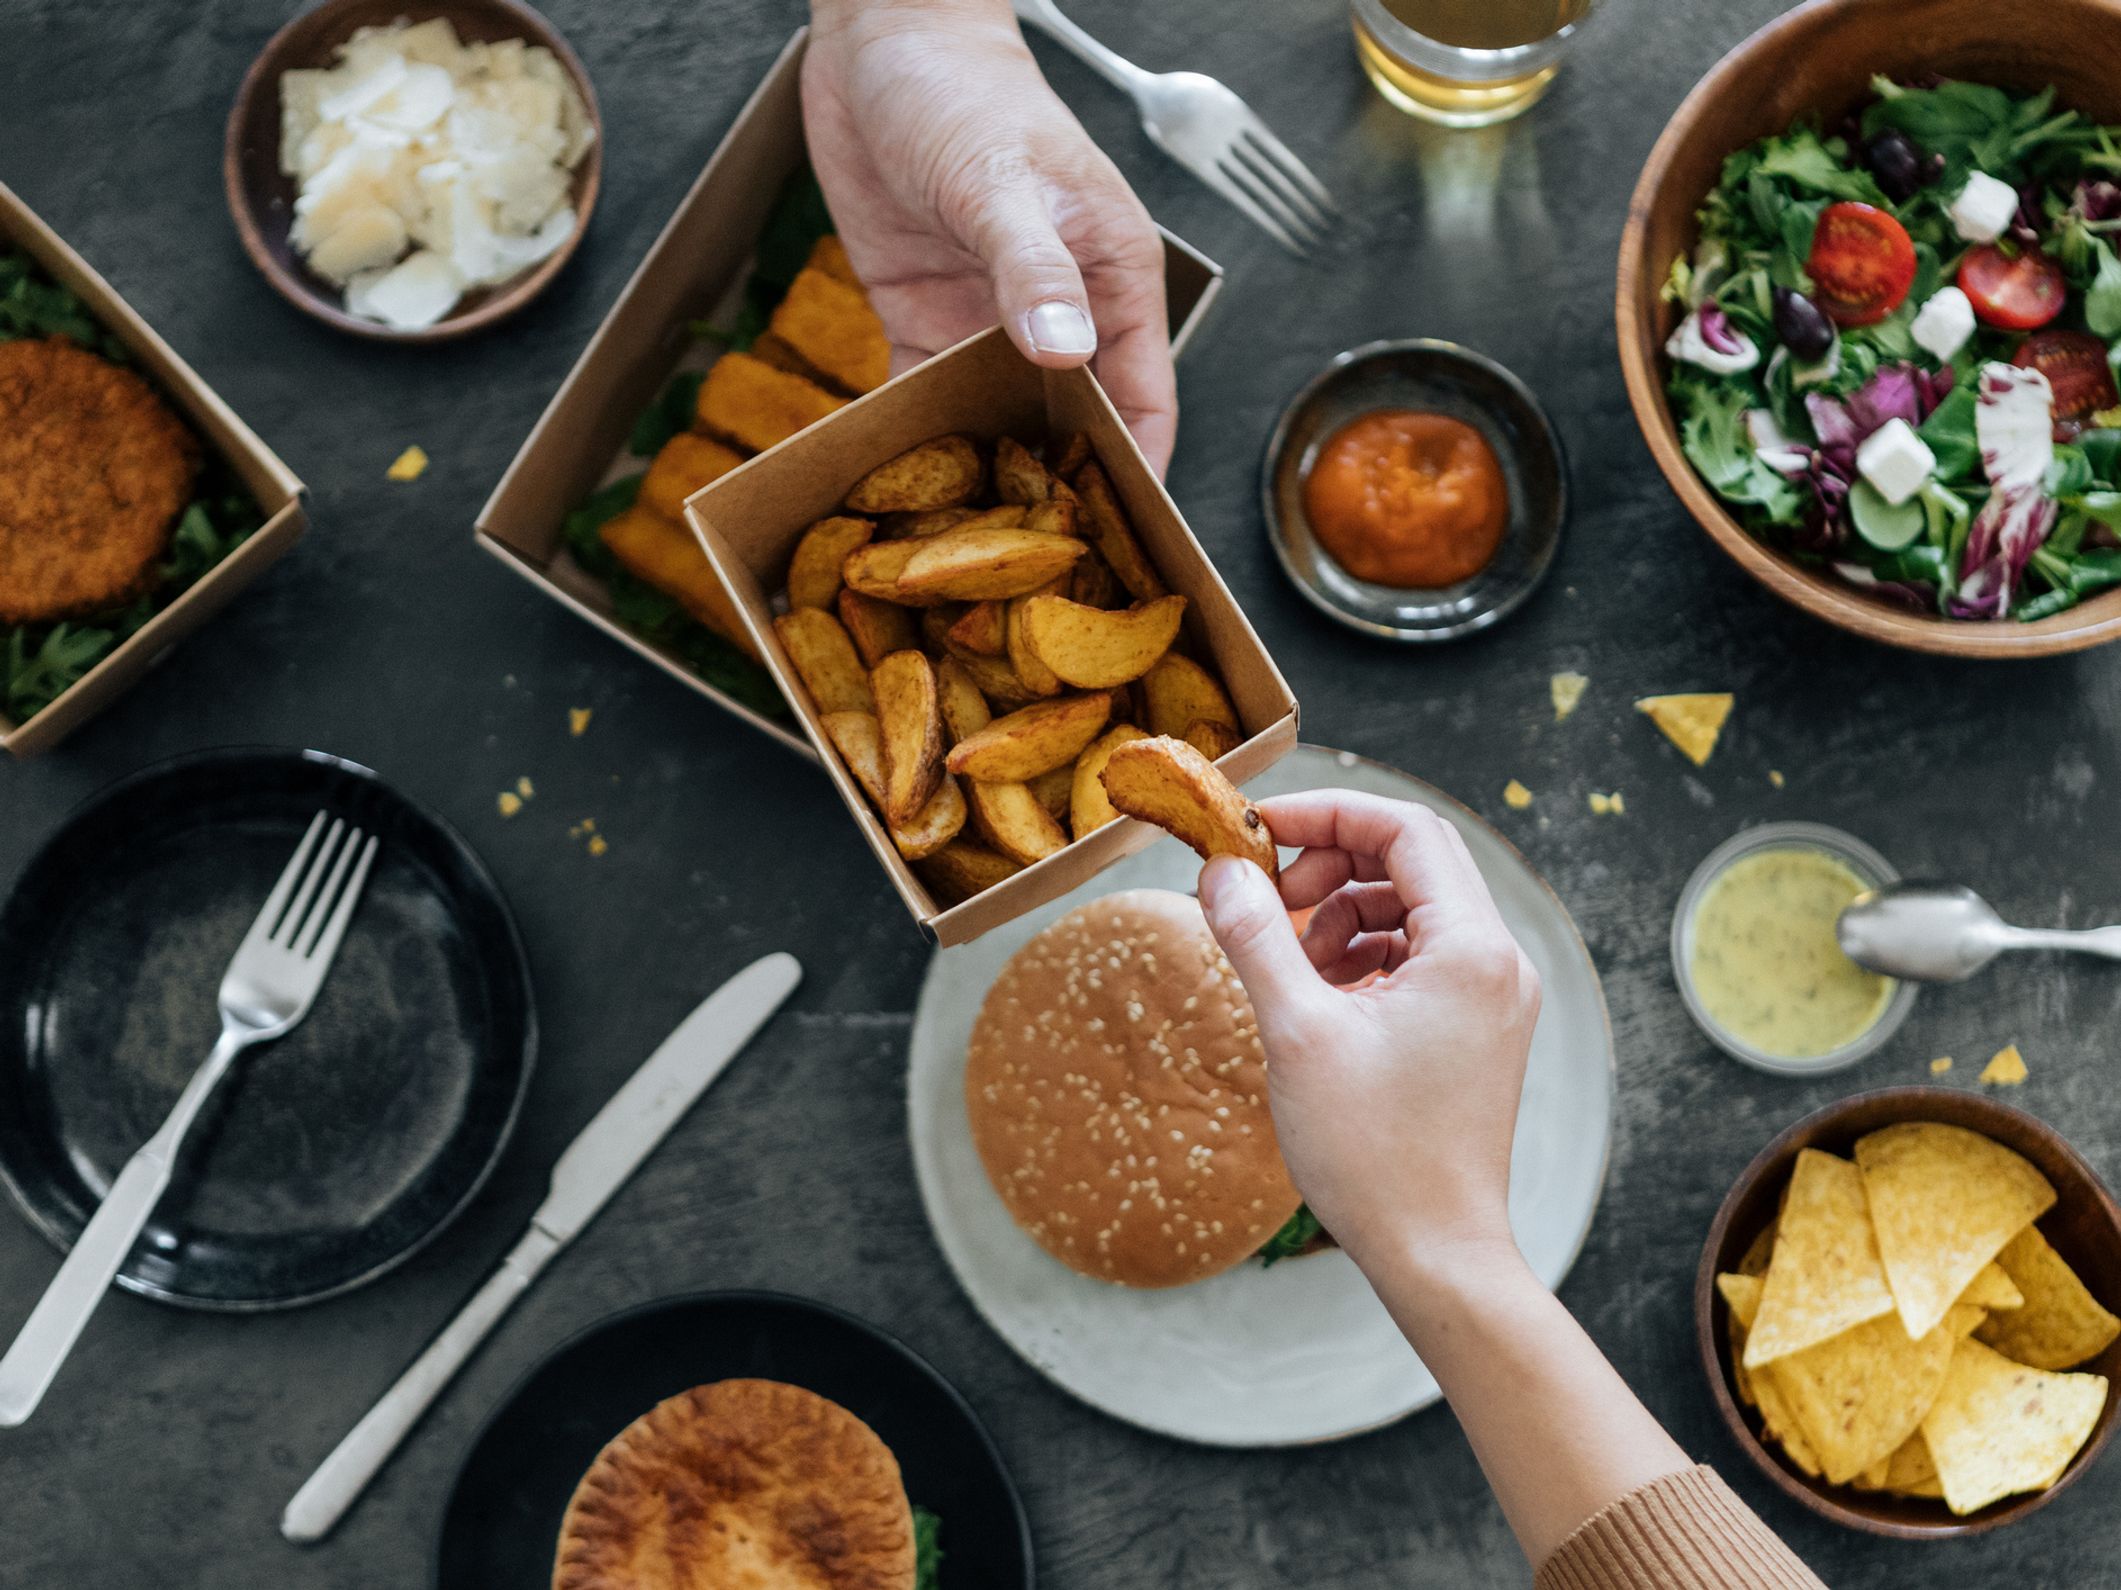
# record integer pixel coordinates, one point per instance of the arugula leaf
(1297, 1233)
(2102, 299)
(1949, 434)
(579, 529)
(2101, 448)
(1714, 435)
(927, 1550)
(36, 678)
(1802, 157)
(2069, 474)
(670, 413)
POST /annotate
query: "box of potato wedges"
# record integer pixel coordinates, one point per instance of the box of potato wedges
(133, 503)
(973, 590)
(741, 326)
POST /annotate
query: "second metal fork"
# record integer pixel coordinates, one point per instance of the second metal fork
(1206, 128)
(271, 982)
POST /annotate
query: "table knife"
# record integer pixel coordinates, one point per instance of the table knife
(596, 1164)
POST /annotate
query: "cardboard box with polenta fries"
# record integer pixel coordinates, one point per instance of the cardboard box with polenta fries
(741, 326)
(974, 589)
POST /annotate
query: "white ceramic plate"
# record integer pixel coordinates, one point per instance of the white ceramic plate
(1257, 1357)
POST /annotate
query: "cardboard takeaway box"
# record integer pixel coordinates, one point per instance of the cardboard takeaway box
(695, 268)
(272, 483)
(750, 520)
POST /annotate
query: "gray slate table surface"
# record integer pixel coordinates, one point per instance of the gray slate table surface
(165, 1452)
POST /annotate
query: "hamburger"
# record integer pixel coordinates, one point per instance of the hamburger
(745, 1485)
(1117, 1093)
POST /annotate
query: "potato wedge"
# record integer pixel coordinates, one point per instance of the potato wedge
(1089, 647)
(1213, 740)
(1018, 477)
(996, 679)
(973, 564)
(1005, 517)
(941, 473)
(1057, 516)
(875, 570)
(878, 628)
(1031, 740)
(1106, 528)
(1091, 582)
(814, 578)
(1011, 820)
(860, 742)
(1168, 783)
(1178, 693)
(910, 715)
(982, 629)
(1037, 677)
(935, 824)
(963, 868)
(1089, 808)
(825, 660)
(1069, 456)
(963, 703)
(901, 526)
(1054, 789)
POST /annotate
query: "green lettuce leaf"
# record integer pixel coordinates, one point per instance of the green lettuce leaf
(1298, 1232)
(927, 1550)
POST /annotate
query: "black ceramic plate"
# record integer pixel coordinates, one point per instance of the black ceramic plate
(1444, 378)
(503, 1519)
(326, 1158)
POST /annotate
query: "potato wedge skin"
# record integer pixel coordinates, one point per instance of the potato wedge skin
(1168, 783)
(973, 563)
(1094, 649)
(1068, 456)
(814, 578)
(1053, 789)
(1089, 807)
(942, 472)
(1011, 819)
(1107, 529)
(874, 570)
(1213, 740)
(1031, 740)
(1018, 477)
(963, 868)
(860, 743)
(935, 824)
(908, 712)
(982, 629)
(824, 658)
(912, 526)
(878, 628)
(1093, 584)
(1178, 692)
(1037, 677)
(963, 703)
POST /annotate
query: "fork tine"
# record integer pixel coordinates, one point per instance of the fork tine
(1275, 181)
(327, 944)
(269, 913)
(1285, 157)
(289, 924)
(1243, 177)
(1214, 178)
(303, 935)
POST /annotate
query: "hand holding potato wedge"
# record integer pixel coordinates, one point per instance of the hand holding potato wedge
(1168, 783)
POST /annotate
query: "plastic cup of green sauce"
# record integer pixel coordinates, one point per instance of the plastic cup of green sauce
(1754, 950)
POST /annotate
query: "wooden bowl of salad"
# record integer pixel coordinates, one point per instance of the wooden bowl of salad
(1868, 289)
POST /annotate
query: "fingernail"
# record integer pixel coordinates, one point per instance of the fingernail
(1058, 326)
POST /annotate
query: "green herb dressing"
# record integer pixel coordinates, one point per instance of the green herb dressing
(1765, 964)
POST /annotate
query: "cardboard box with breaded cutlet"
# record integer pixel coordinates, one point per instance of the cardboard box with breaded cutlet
(972, 589)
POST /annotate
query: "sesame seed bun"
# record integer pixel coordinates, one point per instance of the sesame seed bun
(1117, 1092)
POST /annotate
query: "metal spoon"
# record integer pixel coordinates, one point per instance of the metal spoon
(1944, 933)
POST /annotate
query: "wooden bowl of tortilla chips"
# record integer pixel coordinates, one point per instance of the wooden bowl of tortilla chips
(1903, 1311)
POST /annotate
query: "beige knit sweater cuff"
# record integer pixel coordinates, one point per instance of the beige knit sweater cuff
(1687, 1531)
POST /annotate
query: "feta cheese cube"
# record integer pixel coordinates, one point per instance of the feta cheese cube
(1984, 208)
(1943, 324)
(1895, 460)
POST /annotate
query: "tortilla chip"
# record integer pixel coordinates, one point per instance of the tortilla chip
(1741, 1297)
(1998, 1428)
(1780, 1426)
(1756, 1257)
(1860, 1395)
(1693, 723)
(2061, 1324)
(1825, 1276)
(2006, 1069)
(1873, 1478)
(1994, 1290)
(1911, 1471)
(1567, 690)
(1943, 1202)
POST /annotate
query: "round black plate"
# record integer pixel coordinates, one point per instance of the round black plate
(325, 1158)
(503, 1520)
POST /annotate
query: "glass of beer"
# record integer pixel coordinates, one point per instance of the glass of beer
(1464, 63)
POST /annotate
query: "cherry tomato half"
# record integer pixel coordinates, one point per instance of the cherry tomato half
(2074, 363)
(2015, 291)
(1861, 264)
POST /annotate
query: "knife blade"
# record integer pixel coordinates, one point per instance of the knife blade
(603, 1155)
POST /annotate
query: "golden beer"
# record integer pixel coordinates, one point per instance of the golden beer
(1464, 63)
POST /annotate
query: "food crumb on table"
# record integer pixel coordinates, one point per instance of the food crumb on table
(2006, 1070)
(509, 802)
(1940, 1065)
(408, 465)
(587, 825)
(1566, 689)
(577, 720)
(1775, 778)
(598, 844)
(523, 787)
(1516, 796)
(1608, 805)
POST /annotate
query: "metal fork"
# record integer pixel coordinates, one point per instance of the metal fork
(1212, 133)
(268, 987)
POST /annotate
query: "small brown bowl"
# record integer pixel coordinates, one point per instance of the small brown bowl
(2084, 1226)
(1818, 60)
(261, 197)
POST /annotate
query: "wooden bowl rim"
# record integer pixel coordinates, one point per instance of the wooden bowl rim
(1907, 1103)
(310, 294)
(2091, 623)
